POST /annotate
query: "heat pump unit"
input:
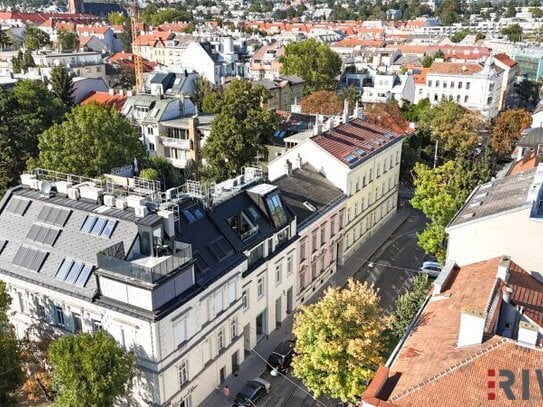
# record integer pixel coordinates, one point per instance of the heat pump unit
(109, 200)
(140, 211)
(120, 204)
(73, 193)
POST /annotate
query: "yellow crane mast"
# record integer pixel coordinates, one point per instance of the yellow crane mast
(138, 66)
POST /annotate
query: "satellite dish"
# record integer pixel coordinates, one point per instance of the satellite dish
(44, 187)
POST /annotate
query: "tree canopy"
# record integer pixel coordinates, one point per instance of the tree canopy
(90, 369)
(513, 32)
(528, 92)
(408, 304)
(507, 129)
(312, 61)
(325, 102)
(36, 38)
(338, 341)
(25, 112)
(67, 40)
(10, 362)
(62, 85)
(154, 16)
(239, 130)
(91, 141)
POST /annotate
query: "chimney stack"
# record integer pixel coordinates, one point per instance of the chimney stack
(503, 268)
(528, 333)
(299, 161)
(506, 293)
(345, 111)
(472, 327)
(288, 167)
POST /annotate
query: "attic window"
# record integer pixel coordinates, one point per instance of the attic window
(480, 196)
(277, 211)
(309, 206)
(242, 225)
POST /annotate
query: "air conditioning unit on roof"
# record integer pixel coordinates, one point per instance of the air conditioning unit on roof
(120, 204)
(109, 200)
(63, 186)
(73, 193)
(140, 211)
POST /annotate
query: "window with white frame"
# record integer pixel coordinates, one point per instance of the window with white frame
(323, 235)
(332, 253)
(278, 272)
(180, 331)
(233, 329)
(302, 251)
(183, 373)
(332, 226)
(244, 300)
(59, 316)
(22, 302)
(231, 292)
(186, 402)
(220, 340)
(260, 287)
(218, 301)
(290, 267)
(314, 241)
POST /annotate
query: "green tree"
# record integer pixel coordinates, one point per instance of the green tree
(408, 304)
(10, 363)
(67, 40)
(109, 141)
(126, 36)
(351, 94)
(90, 369)
(439, 54)
(149, 173)
(168, 175)
(479, 36)
(239, 131)
(449, 12)
(415, 112)
(28, 60)
(427, 61)
(459, 35)
(62, 85)
(338, 341)
(202, 89)
(507, 129)
(24, 113)
(151, 15)
(5, 41)
(17, 62)
(126, 78)
(116, 18)
(36, 38)
(536, 12)
(312, 61)
(513, 32)
(528, 91)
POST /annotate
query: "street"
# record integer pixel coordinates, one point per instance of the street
(389, 269)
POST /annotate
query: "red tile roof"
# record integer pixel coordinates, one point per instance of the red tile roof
(527, 292)
(358, 137)
(454, 68)
(526, 163)
(92, 29)
(358, 42)
(504, 59)
(125, 59)
(104, 98)
(420, 78)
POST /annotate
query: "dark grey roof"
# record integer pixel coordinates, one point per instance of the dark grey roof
(531, 138)
(307, 185)
(71, 242)
(165, 79)
(502, 195)
(294, 79)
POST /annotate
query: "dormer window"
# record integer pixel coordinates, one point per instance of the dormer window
(242, 225)
(277, 211)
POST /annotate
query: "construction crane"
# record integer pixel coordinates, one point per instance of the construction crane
(138, 66)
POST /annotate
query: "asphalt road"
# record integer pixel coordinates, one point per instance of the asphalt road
(393, 265)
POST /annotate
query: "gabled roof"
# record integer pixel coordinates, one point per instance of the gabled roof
(506, 60)
(357, 138)
(104, 98)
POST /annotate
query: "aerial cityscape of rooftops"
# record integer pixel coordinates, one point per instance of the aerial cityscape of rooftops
(259, 203)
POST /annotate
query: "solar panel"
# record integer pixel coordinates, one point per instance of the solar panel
(74, 272)
(61, 215)
(188, 215)
(84, 276)
(18, 206)
(44, 213)
(63, 269)
(29, 258)
(98, 226)
(108, 229)
(88, 224)
(43, 234)
(197, 212)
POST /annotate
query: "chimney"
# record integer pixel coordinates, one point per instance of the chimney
(345, 111)
(194, 137)
(527, 333)
(506, 293)
(111, 91)
(318, 127)
(472, 327)
(503, 268)
(288, 167)
(358, 112)
(520, 153)
(299, 161)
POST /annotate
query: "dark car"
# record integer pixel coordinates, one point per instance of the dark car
(253, 391)
(281, 357)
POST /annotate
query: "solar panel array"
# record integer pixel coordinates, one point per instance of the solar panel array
(29, 258)
(98, 226)
(43, 234)
(18, 206)
(193, 213)
(54, 215)
(74, 272)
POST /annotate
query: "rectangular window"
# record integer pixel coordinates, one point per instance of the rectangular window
(314, 242)
(96, 325)
(218, 301)
(220, 340)
(256, 254)
(302, 251)
(290, 267)
(429, 83)
(59, 316)
(332, 253)
(302, 279)
(260, 287)
(341, 216)
(77, 322)
(233, 329)
(371, 175)
(40, 311)
(314, 270)
(467, 85)
(322, 263)
(231, 292)
(22, 306)
(323, 235)
(244, 300)
(278, 273)
(459, 85)
(180, 332)
(183, 373)
(332, 226)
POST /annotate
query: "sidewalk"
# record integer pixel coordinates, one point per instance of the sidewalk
(253, 366)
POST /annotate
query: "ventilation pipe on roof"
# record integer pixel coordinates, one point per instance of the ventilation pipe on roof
(345, 111)
(288, 167)
(507, 291)
(299, 161)
(503, 268)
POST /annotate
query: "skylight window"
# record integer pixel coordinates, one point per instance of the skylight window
(277, 211)
(74, 272)
(309, 206)
(98, 226)
(192, 213)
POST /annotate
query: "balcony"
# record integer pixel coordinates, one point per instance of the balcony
(149, 269)
(183, 144)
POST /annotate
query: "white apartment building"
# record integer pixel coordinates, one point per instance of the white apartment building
(472, 85)
(187, 289)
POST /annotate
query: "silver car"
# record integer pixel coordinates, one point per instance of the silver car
(431, 268)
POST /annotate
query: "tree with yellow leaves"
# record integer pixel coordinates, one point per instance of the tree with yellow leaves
(338, 341)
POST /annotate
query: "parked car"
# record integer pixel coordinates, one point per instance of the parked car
(281, 357)
(253, 391)
(431, 268)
